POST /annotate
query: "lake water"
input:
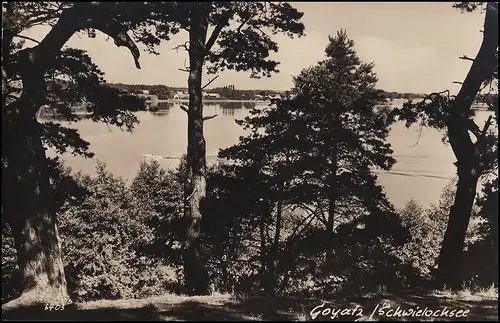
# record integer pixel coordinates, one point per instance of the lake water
(421, 171)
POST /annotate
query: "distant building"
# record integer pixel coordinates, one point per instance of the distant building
(181, 95)
(145, 92)
(212, 96)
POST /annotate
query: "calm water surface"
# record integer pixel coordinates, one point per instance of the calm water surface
(421, 171)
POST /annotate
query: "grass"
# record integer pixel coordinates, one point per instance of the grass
(482, 304)
(468, 293)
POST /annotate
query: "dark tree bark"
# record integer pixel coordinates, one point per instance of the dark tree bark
(196, 276)
(26, 206)
(467, 153)
(26, 200)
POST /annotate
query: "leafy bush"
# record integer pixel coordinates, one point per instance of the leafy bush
(161, 192)
(427, 228)
(482, 253)
(102, 240)
(10, 270)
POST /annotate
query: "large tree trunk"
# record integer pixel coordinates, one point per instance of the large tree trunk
(195, 274)
(468, 154)
(451, 257)
(27, 208)
(26, 194)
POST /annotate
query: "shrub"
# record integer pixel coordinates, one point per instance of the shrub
(482, 253)
(161, 193)
(10, 271)
(102, 240)
(427, 228)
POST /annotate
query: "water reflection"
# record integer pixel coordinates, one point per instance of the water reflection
(160, 108)
(421, 171)
(227, 112)
(249, 105)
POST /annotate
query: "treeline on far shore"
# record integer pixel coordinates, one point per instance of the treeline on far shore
(165, 92)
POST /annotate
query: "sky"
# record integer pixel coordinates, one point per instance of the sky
(414, 45)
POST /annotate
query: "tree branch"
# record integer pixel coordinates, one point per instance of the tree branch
(186, 68)
(210, 82)
(466, 58)
(474, 128)
(216, 32)
(183, 46)
(187, 198)
(486, 126)
(242, 24)
(28, 38)
(295, 232)
(185, 109)
(209, 117)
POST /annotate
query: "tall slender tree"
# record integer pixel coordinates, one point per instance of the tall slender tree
(322, 144)
(222, 35)
(475, 157)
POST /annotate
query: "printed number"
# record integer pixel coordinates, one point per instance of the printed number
(50, 307)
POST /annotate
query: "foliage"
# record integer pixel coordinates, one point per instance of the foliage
(482, 253)
(475, 148)
(405, 96)
(160, 192)
(287, 159)
(103, 237)
(61, 80)
(11, 287)
(247, 47)
(216, 44)
(66, 79)
(426, 232)
(162, 91)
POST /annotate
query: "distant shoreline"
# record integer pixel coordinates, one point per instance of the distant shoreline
(214, 101)
(474, 107)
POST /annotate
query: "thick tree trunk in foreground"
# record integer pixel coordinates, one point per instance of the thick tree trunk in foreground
(452, 255)
(468, 154)
(26, 194)
(26, 206)
(195, 274)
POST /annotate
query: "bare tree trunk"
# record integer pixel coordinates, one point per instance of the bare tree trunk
(196, 275)
(26, 205)
(467, 153)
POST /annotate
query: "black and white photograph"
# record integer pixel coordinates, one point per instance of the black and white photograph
(249, 161)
